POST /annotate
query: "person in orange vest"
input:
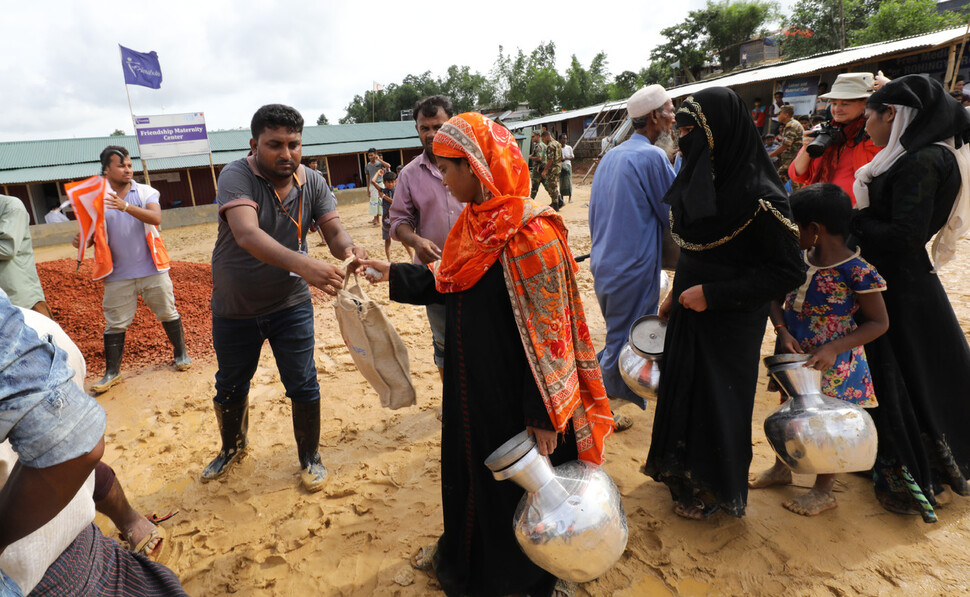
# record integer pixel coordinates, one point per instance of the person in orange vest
(132, 261)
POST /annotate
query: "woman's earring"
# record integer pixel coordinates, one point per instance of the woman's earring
(814, 240)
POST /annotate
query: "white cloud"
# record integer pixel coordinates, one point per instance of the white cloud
(60, 75)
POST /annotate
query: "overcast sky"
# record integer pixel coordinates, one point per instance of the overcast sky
(61, 77)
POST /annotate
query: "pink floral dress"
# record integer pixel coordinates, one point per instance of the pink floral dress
(820, 311)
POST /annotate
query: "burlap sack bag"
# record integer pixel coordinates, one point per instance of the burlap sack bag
(375, 346)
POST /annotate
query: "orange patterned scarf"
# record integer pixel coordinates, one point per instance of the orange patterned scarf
(540, 274)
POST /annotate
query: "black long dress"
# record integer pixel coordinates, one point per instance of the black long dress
(925, 348)
(489, 395)
(709, 372)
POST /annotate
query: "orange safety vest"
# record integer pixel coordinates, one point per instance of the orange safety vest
(87, 197)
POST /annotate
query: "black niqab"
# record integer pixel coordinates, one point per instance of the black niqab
(725, 172)
(940, 115)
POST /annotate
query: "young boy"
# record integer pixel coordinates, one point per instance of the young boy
(387, 197)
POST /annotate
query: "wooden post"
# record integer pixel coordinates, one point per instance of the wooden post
(956, 68)
(401, 153)
(144, 168)
(188, 174)
(949, 67)
(326, 164)
(212, 168)
(5, 191)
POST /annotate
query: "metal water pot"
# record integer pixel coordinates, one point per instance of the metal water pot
(571, 521)
(639, 360)
(811, 432)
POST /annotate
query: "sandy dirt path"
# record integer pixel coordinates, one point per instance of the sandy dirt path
(258, 532)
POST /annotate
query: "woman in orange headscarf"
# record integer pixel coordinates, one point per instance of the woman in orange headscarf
(517, 354)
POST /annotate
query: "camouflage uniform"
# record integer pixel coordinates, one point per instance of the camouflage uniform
(551, 180)
(791, 138)
(536, 166)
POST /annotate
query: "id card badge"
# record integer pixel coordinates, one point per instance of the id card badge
(303, 250)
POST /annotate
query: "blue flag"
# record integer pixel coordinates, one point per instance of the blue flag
(140, 68)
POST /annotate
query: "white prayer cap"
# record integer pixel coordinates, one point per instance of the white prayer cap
(646, 100)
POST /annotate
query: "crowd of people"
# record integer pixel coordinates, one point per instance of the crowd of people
(829, 245)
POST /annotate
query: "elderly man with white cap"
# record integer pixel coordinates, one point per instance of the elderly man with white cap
(626, 222)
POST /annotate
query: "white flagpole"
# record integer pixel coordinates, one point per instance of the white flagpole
(144, 162)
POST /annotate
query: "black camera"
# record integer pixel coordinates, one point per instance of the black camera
(826, 134)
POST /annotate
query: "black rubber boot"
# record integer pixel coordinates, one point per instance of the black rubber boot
(177, 337)
(114, 349)
(233, 419)
(306, 429)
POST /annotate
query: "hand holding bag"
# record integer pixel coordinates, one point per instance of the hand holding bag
(375, 345)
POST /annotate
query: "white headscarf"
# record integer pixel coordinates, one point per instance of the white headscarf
(958, 223)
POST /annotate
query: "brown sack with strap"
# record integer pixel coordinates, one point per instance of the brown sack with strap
(375, 346)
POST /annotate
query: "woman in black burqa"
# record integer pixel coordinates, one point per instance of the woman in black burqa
(739, 249)
(915, 188)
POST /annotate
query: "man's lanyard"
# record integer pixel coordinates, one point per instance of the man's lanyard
(298, 222)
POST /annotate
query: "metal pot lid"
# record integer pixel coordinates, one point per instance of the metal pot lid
(785, 359)
(509, 452)
(647, 336)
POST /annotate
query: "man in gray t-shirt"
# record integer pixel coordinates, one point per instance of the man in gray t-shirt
(373, 165)
(261, 272)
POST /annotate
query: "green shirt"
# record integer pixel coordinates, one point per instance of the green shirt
(18, 274)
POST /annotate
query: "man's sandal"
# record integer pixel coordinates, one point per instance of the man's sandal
(159, 552)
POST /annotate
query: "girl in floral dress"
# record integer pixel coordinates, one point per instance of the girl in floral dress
(819, 318)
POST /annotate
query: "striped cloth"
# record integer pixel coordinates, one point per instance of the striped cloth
(96, 565)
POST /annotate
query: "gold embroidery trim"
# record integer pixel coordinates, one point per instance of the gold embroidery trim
(698, 115)
(762, 205)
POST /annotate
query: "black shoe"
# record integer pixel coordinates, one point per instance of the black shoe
(177, 337)
(233, 419)
(306, 429)
(114, 349)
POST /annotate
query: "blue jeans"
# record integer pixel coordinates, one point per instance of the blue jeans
(238, 343)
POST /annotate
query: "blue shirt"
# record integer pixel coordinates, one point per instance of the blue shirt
(126, 238)
(626, 216)
(45, 415)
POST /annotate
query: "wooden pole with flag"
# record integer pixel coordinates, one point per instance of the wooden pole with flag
(144, 162)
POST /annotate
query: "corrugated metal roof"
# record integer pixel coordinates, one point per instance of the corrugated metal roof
(560, 116)
(777, 71)
(820, 62)
(61, 159)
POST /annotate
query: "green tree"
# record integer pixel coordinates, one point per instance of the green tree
(727, 23)
(322, 120)
(658, 73)
(624, 85)
(118, 133)
(685, 51)
(816, 25)
(901, 18)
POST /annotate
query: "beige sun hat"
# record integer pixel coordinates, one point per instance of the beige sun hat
(849, 86)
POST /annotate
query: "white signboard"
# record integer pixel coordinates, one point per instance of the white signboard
(171, 135)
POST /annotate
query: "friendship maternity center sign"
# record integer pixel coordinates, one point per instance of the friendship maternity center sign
(171, 135)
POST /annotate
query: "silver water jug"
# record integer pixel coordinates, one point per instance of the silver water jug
(571, 521)
(639, 360)
(811, 432)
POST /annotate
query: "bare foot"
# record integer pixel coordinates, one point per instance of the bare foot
(778, 474)
(944, 497)
(812, 503)
(136, 532)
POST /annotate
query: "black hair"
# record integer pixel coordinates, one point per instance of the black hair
(960, 78)
(109, 151)
(274, 116)
(389, 176)
(877, 107)
(371, 150)
(757, 99)
(429, 106)
(824, 203)
(640, 121)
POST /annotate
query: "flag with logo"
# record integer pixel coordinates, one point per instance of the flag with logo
(141, 68)
(87, 198)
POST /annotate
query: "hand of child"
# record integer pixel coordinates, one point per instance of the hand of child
(786, 343)
(823, 358)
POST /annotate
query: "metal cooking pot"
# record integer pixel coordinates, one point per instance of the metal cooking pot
(571, 521)
(811, 432)
(639, 360)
